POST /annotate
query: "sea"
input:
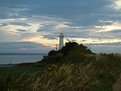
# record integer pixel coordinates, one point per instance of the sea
(20, 58)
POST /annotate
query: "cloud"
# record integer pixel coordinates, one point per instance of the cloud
(46, 33)
(40, 39)
(6, 36)
(111, 27)
(21, 30)
(54, 27)
(117, 4)
(107, 48)
(94, 40)
(67, 9)
(41, 21)
(115, 31)
(23, 47)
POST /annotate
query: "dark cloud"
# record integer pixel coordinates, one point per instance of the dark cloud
(80, 12)
(62, 8)
(7, 36)
(49, 37)
(4, 24)
(19, 23)
(111, 34)
(106, 48)
(115, 31)
(46, 28)
(21, 30)
(82, 15)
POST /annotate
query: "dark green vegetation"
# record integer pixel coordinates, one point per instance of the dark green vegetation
(75, 71)
(71, 47)
(9, 76)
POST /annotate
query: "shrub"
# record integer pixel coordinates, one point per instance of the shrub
(52, 53)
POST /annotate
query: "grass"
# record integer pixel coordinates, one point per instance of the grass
(77, 72)
(9, 75)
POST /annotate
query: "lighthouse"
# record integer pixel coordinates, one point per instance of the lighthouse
(61, 42)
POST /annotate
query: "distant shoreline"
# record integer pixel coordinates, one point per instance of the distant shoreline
(23, 53)
(7, 65)
(8, 59)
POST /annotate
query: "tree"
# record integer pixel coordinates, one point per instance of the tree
(52, 53)
(75, 47)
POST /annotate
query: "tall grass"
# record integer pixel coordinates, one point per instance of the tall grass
(79, 73)
(69, 77)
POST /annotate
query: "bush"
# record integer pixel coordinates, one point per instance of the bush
(73, 46)
(52, 53)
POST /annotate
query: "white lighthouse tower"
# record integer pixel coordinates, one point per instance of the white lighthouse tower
(61, 42)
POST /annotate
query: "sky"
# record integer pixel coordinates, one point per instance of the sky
(33, 26)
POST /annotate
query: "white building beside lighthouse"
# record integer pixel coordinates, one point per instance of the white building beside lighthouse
(61, 41)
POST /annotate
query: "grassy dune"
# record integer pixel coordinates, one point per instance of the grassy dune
(77, 72)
